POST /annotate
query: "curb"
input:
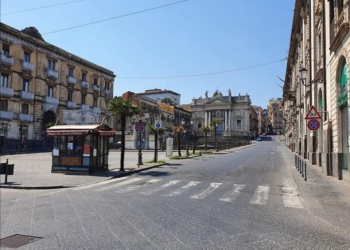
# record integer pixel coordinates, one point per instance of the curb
(62, 186)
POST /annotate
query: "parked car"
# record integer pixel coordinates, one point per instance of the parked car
(258, 139)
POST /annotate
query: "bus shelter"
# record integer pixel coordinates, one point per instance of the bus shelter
(81, 149)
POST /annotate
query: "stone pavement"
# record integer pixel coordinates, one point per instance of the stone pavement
(326, 196)
(33, 171)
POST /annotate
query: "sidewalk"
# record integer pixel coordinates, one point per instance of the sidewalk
(326, 197)
(33, 171)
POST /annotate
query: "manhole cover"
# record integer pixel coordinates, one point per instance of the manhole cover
(18, 240)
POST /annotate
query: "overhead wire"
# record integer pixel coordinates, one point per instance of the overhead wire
(116, 17)
(42, 7)
(204, 74)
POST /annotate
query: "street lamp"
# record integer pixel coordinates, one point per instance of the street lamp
(193, 137)
(140, 127)
(183, 122)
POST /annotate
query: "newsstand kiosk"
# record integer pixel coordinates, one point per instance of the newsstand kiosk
(80, 149)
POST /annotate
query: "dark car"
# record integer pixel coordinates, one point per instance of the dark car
(258, 139)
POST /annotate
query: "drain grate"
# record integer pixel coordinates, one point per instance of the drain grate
(18, 240)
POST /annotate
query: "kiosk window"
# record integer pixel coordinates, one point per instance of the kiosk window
(63, 145)
(77, 145)
(87, 145)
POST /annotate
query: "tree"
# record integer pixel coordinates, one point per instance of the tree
(123, 108)
(156, 132)
(205, 130)
(168, 101)
(214, 124)
(177, 131)
(22, 125)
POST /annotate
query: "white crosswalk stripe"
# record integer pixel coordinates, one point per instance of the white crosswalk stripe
(130, 188)
(184, 188)
(157, 189)
(231, 195)
(261, 195)
(207, 191)
(119, 184)
(290, 195)
(101, 183)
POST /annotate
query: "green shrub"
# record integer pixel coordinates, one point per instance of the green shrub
(178, 157)
(152, 161)
(205, 152)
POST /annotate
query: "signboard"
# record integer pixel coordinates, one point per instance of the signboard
(82, 116)
(139, 127)
(158, 124)
(169, 147)
(313, 124)
(313, 114)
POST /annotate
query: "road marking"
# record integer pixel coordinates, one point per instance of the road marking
(130, 188)
(157, 189)
(290, 195)
(231, 195)
(207, 191)
(101, 183)
(184, 188)
(261, 195)
(120, 184)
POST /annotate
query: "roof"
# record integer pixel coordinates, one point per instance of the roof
(80, 127)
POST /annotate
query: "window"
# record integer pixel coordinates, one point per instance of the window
(340, 5)
(50, 92)
(70, 72)
(95, 80)
(5, 49)
(51, 64)
(25, 85)
(95, 102)
(25, 109)
(4, 80)
(83, 77)
(26, 57)
(70, 96)
(83, 99)
(106, 85)
(319, 48)
(3, 105)
(239, 124)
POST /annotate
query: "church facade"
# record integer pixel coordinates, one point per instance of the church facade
(232, 112)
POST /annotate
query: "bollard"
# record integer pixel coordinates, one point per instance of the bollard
(299, 164)
(305, 172)
(295, 161)
(7, 162)
(302, 168)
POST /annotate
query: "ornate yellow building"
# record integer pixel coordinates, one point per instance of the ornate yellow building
(39, 81)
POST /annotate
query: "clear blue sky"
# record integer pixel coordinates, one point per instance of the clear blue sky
(193, 37)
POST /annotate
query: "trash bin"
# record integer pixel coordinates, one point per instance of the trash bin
(10, 168)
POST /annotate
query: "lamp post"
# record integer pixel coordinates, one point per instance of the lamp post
(183, 123)
(140, 127)
(193, 137)
(216, 141)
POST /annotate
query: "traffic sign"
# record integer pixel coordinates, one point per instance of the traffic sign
(313, 124)
(139, 127)
(313, 114)
(158, 124)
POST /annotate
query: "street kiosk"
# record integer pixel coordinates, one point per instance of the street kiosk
(80, 149)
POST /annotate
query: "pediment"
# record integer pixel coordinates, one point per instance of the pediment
(218, 100)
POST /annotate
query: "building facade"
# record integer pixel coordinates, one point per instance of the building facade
(159, 95)
(275, 112)
(317, 75)
(261, 119)
(233, 112)
(39, 81)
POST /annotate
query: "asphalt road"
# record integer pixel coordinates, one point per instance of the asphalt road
(243, 200)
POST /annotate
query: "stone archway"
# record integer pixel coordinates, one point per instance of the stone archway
(49, 118)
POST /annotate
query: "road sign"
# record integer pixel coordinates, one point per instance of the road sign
(313, 114)
(313, 124)
(158, 124)
(139, 127)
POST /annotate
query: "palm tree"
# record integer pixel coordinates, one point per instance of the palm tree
(123, 108)
(156, 132)
(177, 131)
(205, 130)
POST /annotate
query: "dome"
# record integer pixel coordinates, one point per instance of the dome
(32, 31)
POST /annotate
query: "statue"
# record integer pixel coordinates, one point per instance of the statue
(206, 94)
(229, 92)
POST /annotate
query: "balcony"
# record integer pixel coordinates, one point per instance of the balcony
(51, 74)
(96, 88)
(51, 100)
(71, 80)
(26, 118)
(84, 107)
(27, 67)
(6, 115)
(84, 84)
(71, 105)
(26, 96)
(6, 60)
(96, 109)
(107, 91)
(340, 28)
(6, 92)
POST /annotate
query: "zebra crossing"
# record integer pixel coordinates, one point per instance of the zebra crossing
(172, 188)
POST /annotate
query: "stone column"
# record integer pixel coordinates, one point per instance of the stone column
(206, 119)
(225, 126)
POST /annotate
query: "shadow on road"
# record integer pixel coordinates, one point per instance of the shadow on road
(154, 173)
(266, 138)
